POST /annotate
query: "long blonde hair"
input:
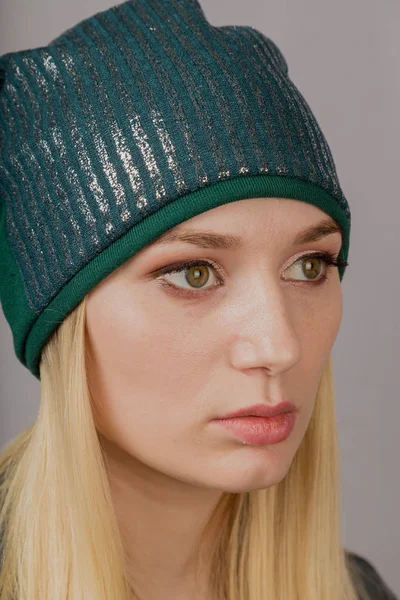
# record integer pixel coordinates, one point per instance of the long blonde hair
(60, 535)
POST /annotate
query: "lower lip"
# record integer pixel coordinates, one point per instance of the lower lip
(261, 430)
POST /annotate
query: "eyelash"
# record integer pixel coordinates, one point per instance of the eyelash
(331, 260)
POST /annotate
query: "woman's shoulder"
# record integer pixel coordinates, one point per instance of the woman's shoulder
(361, 568)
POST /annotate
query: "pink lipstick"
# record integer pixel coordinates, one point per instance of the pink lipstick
(261, 424)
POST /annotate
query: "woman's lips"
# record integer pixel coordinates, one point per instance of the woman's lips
(260, 430)
(262, 410)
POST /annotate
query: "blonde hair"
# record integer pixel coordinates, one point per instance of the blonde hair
(60, 534)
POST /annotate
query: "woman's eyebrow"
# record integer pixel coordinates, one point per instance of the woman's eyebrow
(207, 239)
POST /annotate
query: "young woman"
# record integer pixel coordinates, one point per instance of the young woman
(173, 237)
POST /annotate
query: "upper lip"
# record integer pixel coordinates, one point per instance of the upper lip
(262, 410)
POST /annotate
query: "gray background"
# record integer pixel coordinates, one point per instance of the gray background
(344, 57)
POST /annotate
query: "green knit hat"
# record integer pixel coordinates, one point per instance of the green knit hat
(134, 120)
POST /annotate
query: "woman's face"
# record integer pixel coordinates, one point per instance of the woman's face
(258, 328)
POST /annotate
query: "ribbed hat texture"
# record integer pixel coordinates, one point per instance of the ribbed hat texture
(134, 120)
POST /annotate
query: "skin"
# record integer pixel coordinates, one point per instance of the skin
(161, 366)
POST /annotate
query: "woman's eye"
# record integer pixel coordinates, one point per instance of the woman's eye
(309, 266)
(196, 274)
